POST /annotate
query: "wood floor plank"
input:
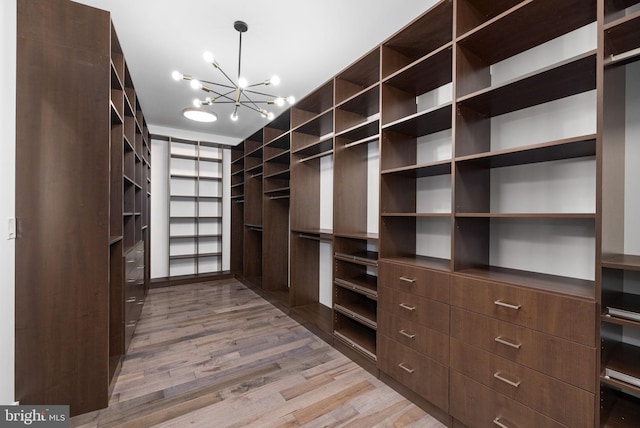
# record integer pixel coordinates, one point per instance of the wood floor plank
(216, 354)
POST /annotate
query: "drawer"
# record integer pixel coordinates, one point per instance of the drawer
(559, 400)
(413, 308)
(429, 342)
(548, 354)
(476, 405)
(423, 282)
(423, 375)
(564, 316)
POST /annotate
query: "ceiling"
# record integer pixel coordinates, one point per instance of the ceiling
(305, 43)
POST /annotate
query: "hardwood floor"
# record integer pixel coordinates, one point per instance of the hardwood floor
(218, 355)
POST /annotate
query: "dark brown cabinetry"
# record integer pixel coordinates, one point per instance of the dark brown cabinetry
(504, 251)
(620, 267)
(82, 200)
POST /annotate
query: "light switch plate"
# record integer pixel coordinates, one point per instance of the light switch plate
(12, 228)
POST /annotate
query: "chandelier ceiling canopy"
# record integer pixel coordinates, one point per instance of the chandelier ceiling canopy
(238, 92)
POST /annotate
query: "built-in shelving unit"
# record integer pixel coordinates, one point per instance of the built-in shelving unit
(355, 208)
(91, 202)
(620, 265)
(312, 143)
(483, 218)
(195, 208)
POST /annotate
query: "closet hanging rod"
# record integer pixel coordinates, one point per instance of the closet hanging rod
(362, 141)
(612, 59)
(319, 155)
(313, 237)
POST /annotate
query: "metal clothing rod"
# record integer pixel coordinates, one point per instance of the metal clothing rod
(612, 59)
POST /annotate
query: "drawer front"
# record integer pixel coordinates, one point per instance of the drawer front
(415, 309)
(423, 282)
(548, 354)
(570, 318)
(559, 400)
(476, 405)
(417, 372)
(429, 342)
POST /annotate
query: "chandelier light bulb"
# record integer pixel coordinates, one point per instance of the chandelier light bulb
(242, 82)
(291, 100)
(177, 76)
(208, 57)
(195, 84)
(197, 103)
(234, 116)
(270, 115)
(275, 80)
(279, 101)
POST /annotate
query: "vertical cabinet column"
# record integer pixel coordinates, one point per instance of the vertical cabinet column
(416, 206)
(620, 267)
(355, 208)
(311, 238)
(525, 184)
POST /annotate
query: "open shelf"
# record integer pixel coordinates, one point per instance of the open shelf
(425, 34)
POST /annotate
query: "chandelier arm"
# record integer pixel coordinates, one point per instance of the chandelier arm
(250, 101)
(264, 94)
(227, 77)
(218, 84)
(226, 95)
(249, 106)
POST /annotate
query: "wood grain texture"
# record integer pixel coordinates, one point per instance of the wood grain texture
(216, 354)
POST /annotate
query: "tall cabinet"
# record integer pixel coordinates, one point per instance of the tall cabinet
(82, 199)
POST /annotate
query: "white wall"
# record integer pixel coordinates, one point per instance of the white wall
(7, 196)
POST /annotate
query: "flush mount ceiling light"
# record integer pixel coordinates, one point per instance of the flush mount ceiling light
(237, 92)
(199, 115)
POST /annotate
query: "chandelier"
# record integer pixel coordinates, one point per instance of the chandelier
(238, 92)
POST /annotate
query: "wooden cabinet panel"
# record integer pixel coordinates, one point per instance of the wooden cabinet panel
(476, 405)
(412, 308)
(570, 318)
(429, 342)
(563, 402)
(548, 354)
(423, 375)
(427, 283)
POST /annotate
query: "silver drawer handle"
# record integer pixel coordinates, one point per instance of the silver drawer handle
(131, 324)
(407, 307)
(497, 422)
(406, 279)
(508, 343)
(506, 305)
(131, 299)
(405, 368)
(405, 334)
(499, 376)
